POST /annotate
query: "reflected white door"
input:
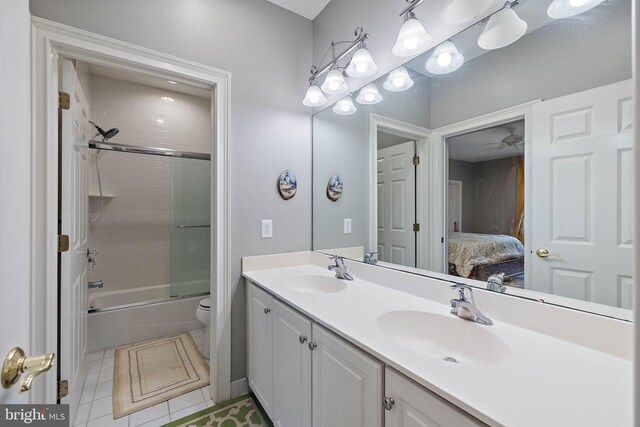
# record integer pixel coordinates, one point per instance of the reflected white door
(455, 205)
(582, 185)
(75, 132)
(397, 204)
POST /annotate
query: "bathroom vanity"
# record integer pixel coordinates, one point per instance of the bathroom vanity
(384, 350)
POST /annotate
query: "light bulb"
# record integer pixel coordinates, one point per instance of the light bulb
(398, 81)
(361, 67)
(314, 99)
(411, 43)
(334, 85)
(444, 59)
(369, 97)
(344, 107)
(578, 3)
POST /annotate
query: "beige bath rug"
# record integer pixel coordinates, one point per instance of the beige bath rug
(154, 371)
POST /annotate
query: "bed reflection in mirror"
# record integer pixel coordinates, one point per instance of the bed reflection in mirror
(518, 163)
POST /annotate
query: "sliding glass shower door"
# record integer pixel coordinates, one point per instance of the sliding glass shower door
(190, 226)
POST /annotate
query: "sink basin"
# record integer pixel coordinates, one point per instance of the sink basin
(315, 284)
(444, 337)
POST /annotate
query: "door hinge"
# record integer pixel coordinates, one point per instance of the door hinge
(416, 227)
(64, 101)
(63, 388)
(416, 160)
(63, 243)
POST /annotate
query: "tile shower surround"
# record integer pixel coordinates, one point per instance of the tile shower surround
(133, 235)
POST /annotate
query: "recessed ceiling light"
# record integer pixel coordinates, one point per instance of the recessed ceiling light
(167, 99)
(172, 82)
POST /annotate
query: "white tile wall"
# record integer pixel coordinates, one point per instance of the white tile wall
(133, 235)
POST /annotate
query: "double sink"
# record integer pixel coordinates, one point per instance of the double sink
(439, 336)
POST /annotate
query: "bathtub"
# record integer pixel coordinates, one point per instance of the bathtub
(122, 317)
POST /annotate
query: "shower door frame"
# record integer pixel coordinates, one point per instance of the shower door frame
(51, 40)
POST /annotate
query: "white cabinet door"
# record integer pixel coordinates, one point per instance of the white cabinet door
(347, 384)
(414, 406)
(260, 346)
(291, 368)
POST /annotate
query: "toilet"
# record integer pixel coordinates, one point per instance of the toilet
(203, 314)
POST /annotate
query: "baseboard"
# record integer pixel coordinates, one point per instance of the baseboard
(239, 387)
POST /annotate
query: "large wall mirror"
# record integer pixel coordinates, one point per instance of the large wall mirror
(517, 163)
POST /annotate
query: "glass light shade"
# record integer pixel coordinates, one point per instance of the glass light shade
(398, 80)
(362, 64)
(504, 27)
(461, 11)
(334, 83)
(412, 39)
(444, 59)
(567, 8)
(369, 95)
(314, 97)
(345, 106)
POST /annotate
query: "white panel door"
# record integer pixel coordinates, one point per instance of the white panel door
(582, 185)
(260, 346)
(414, 406)
(75, 132)
(455, 205)
(347, 384)
(397, 204)
(15, 190)
(291, 368)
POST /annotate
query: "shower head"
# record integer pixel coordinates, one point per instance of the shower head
(106, 135)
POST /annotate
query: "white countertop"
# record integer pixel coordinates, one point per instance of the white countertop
(547, 381)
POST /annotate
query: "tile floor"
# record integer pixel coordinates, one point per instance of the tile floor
(96, 410)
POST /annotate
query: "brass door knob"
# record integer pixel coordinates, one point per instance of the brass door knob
(544, 253)
(16, 363)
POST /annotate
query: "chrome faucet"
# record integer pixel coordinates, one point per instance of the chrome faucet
(465, 307)
(370, 258)
(96, 284)
(339, 268)
(495, 283)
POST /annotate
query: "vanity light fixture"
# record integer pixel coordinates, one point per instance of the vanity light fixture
(444, 59)
(461, 11)
(369, 95)
(412, 37)
(567, 8)
(504, 27)
(314, 96)
(361, 65)
(345, 106)
(398, 80)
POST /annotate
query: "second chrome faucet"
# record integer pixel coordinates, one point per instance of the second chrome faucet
(340, 268)
(465, 307)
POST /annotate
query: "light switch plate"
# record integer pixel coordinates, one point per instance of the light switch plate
(347, 226)
(267, 229)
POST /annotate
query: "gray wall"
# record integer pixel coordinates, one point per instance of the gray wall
(268, 51)
(548, 63)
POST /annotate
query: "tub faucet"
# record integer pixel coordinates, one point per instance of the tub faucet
(339, 268)
(96, 284)
(465, 307)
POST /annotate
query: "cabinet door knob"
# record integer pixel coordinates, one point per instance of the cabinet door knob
(267, 310)
(302, 339)
(388, 403)
(312, 346)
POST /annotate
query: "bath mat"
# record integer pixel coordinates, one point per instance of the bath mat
(243, 411)
(150, 373)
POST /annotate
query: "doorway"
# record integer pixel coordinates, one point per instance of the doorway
(52, 42)
(485, 201)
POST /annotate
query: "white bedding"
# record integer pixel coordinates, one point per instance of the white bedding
(468, 250)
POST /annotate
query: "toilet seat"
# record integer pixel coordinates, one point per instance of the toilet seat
(205, 304)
